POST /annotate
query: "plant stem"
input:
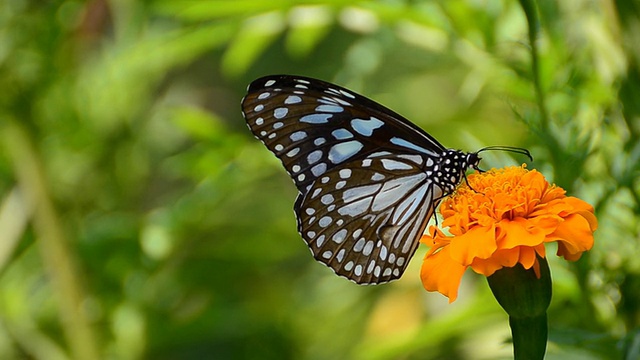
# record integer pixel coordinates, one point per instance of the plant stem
(529, 337)
(52, 241)
(531, 12)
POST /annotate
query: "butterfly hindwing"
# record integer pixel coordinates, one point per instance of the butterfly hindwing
(365, 220)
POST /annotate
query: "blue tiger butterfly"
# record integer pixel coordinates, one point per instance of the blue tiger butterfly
(368, 179)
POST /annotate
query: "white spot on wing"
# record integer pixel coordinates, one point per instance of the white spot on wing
(342, 151)
(340, 236)
(342, 134)
(325, 221)
(383, 253)
(314, 157)
(279, 113)
(327, 199)
(395, 165)
(293, 99)
(319, 169)
(316, 118)
(366, 127)
(347, 94)
(368, 248)
(293, 152)
(412, 146)
(379, 154)
(358, 270)
(329, 108)
(298, 135)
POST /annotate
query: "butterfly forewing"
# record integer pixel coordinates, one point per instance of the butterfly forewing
(369, 180)
(313, 126)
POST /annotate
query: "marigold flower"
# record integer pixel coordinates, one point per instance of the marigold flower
(505, 218)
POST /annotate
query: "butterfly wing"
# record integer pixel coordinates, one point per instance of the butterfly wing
(313, 126)
(321, 132)
(365, 220)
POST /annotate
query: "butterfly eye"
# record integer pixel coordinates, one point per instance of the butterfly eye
(368, 179)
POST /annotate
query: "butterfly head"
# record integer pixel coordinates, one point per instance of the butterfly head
(473, 161)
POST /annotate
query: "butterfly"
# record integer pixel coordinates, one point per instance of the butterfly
(368, 179)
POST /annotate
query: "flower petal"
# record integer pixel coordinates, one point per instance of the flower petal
(527, 257)
(440, 273)
(585, 210)
(478, 242)
(574, 236)
(519, 232)
(488, 266)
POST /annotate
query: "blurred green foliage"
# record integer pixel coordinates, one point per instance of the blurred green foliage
(140, 219)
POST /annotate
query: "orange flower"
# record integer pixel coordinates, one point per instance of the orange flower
(505, 218)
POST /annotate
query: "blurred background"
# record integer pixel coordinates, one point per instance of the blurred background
(140, 219)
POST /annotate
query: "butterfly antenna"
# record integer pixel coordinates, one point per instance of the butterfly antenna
(512, 149)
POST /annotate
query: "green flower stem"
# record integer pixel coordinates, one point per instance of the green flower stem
(525, 297)
(529, 337)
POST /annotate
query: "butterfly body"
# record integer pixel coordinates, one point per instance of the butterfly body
(368, 179)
